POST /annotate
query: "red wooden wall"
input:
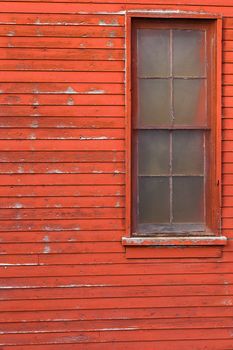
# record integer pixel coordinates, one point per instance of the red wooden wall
(65, 281)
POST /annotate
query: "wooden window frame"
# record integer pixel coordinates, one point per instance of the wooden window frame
(213, 238)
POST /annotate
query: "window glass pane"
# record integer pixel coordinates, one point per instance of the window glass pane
(189, 101)
(154, 102)
(188, 152)
(153, 199)
(188, 199)
(154, 155)
(188, 53)
(153, 52)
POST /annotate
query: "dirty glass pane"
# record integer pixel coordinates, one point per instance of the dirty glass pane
(189, 101)
(188, 200)
(188, 152)
(153, 199)
(153, 152)
(189, 53)
(153, 52)
(154, 102)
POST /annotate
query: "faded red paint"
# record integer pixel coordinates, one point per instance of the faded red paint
(64, 270)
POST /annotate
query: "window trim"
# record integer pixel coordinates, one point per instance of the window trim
(216, 237)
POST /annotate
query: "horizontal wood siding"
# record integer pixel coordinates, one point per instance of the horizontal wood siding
(65, 281)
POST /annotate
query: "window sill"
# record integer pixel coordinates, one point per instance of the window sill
(179, 247)
(174, 241)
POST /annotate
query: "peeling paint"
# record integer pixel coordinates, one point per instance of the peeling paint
(227, 302)
(117, 204)
(52, 228)
(70, 101)
(35, 91)
(81, 285)
(8, 23)
(95, 91)
(20, 169)
(11, 33)
(167, 11)
(93, 138)
(32, 136)
(17, 205)
(54, 171)
(46, 249)
(38, 32)
(117, 329)
(35, 102)
(46, 238)
(102, 23)
(70, 90)
(34, 124)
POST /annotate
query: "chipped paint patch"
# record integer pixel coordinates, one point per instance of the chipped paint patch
(11, 33)
(35, 102)
(167, 11)
(53, 228)
(20, 169)
(70, 90)
(46, 238)
(17, 205)
(46, 249)
(32, 136)
(55, 171)
(38, 32)
(227, 302)
(95, 91)
(35, 91)
(37, 21)
(70, 101)
(93, 138)
(34, 124)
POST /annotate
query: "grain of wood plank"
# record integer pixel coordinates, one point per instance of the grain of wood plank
(18, 65)
(63, 31)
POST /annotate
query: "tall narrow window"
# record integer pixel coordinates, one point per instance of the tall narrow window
(173, 127)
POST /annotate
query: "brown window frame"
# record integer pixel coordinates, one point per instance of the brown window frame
(213, 25)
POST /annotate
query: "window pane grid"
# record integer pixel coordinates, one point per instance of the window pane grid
(148, 121)
(172, 175)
